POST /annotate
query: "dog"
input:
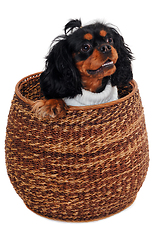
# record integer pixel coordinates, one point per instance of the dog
(85, 66)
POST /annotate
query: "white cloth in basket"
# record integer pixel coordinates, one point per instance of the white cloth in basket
(89, 98)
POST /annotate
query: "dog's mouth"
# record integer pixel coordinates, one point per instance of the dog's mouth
(108, 64)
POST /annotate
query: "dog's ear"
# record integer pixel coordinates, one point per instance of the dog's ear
(123, 74)
(60, 78)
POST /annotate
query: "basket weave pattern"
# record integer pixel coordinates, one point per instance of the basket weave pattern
(85, 166)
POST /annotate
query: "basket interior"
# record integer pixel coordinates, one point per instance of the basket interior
(30, 89)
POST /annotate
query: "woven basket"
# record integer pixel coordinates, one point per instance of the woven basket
(86, 166)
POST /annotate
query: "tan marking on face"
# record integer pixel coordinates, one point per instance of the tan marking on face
(92, 82)
(91, 63)
(103, 33)
(88, 36)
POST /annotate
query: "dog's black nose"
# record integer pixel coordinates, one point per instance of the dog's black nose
(105, 48)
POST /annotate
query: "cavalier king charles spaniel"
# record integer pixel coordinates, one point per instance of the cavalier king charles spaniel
(84, 67)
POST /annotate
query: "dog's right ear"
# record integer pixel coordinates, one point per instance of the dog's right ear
(60, 78)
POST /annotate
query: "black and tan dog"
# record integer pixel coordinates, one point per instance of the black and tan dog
(84, 66)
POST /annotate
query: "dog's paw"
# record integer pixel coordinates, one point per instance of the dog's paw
(52, 108)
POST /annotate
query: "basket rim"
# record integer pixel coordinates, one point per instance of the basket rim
(35, 75)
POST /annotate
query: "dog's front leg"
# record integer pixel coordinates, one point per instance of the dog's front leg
(52, 107)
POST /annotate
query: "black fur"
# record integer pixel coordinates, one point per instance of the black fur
(123, 74)
(62, 79)
(71, 25)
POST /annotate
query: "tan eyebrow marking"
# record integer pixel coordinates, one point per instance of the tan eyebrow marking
(103, 33)
(88, 36)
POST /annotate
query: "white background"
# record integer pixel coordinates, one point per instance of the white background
(27, 29)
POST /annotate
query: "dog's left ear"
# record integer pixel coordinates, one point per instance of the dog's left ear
(123, 74)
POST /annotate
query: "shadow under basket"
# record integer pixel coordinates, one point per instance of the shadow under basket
(86, 166)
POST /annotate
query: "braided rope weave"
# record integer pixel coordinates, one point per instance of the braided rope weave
(86, 166)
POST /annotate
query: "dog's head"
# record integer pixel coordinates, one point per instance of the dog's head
(87, 58)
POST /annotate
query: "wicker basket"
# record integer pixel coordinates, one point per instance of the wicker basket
(86, 166)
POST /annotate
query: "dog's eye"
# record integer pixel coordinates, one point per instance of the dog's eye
(86, 47)
(109, 40)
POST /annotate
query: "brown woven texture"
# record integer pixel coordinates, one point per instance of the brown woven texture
(86, 166)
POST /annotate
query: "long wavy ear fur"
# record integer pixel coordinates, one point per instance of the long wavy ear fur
(60, 78)
(123, 74)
